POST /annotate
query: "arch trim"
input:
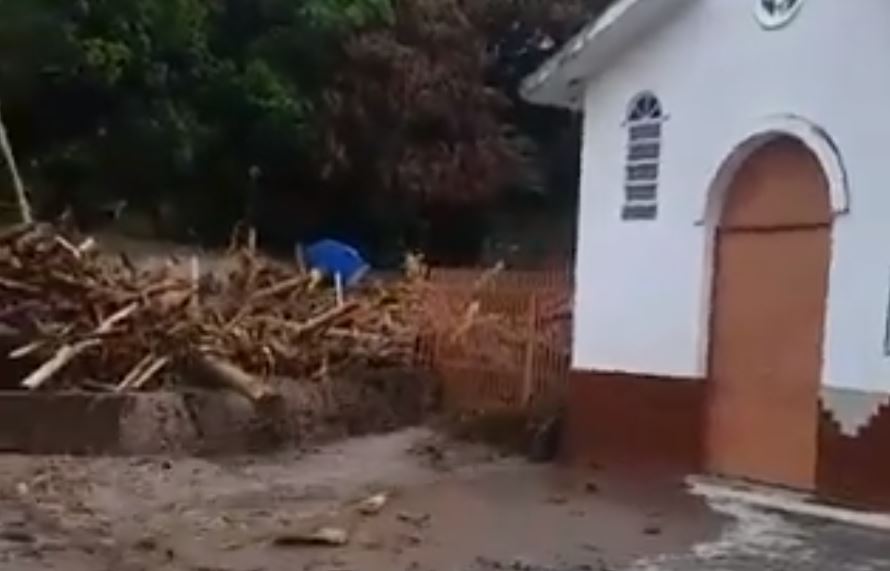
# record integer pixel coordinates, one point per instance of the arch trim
(815, 138)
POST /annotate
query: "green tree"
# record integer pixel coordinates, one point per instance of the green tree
(171, 102)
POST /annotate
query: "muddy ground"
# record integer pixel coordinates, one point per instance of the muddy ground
(449, 507)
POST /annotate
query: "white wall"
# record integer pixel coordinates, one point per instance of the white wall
(643, 288)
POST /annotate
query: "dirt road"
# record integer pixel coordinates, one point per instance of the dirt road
(447, 507)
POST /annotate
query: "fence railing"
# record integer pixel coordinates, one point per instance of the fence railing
(515, 351)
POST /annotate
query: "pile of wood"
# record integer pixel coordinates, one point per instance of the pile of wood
(81, 318)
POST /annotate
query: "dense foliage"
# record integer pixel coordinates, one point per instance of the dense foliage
(378, 120)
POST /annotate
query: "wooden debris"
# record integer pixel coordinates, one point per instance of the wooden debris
(154, 367)
(96, 321)
(230, 376)
(63, 356)
(18, 286)
(135, 373)
(373, 505)
(321, 320)
(323, 536)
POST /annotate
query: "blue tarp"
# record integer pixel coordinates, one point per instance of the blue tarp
(332, 257)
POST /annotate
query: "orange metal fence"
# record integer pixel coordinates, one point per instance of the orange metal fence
(519, 356)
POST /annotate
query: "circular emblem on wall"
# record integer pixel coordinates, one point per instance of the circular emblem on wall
(776, 13)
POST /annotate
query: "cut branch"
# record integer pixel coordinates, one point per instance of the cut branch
(149, 373)
(228, 375)
(69, 352)
(298, 330)
(63, 356)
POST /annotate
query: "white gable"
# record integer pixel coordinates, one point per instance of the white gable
(723, 77)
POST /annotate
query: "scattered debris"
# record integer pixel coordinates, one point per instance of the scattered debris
(77, 317)
(147, 543)
(545, 436)
(412, 539)
(17, 536)
(373, 505)
(323, 536)
(558, 499)
(652, 529)
(592, 487)
(415, 519)
(433, 452)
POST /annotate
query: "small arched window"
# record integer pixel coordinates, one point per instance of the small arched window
(643, 122)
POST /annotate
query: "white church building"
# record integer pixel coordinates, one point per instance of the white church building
(733, 258)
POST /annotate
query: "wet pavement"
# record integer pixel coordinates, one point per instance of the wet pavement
(444, 507)
(759, 539)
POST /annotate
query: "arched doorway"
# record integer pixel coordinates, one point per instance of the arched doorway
(772, 257)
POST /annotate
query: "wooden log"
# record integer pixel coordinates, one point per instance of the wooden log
(195, 285)
(263, 294)
(309, 326)
(69, 352)
(228, 375)
(116, 318)
(26, 350)
(277, 289)
(338, 288)
(358, 335)
(18, 286)
(63, 356)
(73, 250)
(155, 367)
(156, 289)
(134, 373)
(86, 245)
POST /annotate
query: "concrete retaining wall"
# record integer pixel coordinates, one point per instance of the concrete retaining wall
(211, 422)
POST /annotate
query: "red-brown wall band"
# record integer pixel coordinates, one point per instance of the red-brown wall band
(855, 469)
(637, 422)
(652, 426)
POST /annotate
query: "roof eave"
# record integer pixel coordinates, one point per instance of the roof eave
(560, 80)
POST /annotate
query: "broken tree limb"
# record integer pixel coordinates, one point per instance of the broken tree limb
(263, 294)
(153, 290)
(21, 196)
(69, 352)
(115, 318)
(228, 375)
(155, 367)
(195, 283)
(68, 247)
(134, 373)
(87, 245)
(298, 330)
(277, 289)
(25, 350)
(63, 356)
(338, 288)
(18, 286)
